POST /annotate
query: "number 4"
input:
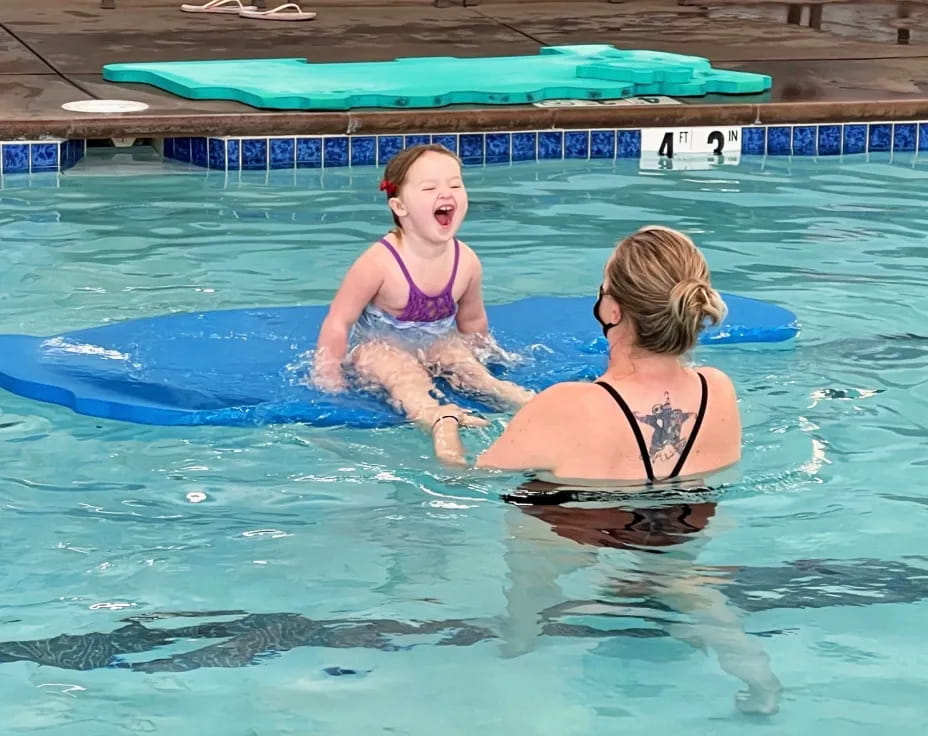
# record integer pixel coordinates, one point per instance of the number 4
(666, 148)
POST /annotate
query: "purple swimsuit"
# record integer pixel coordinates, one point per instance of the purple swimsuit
(421, 307)
(424, 317)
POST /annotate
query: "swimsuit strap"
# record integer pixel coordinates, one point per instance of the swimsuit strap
(696, 427)
(399, 260)
(454, 268)
(633, 423)
(642, 446)
(412, 284)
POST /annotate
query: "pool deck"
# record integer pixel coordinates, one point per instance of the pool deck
(52, 52)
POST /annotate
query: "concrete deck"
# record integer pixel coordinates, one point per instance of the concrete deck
(52, 52)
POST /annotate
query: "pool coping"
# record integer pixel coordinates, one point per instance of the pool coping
(485, 119)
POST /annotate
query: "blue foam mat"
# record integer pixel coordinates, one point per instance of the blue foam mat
(246, 366)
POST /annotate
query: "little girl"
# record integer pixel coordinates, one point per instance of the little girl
(415, 299)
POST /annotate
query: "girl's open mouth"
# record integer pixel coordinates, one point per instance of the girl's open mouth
(444, 213)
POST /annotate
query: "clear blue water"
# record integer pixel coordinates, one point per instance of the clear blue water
(100, 521)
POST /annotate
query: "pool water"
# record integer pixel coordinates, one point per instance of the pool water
(344, 583)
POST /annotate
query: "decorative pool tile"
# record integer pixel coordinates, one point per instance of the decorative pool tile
(68, 153)
(309, 153)
(254, 153)
(387, 147)
(363, 150)
(335, 151)
(15, 158)
(524, 146)
(551, 144)
(923, 136)
(449, 141)
(199, 153)
(234, 154)
(855, 139)
(44, 156)
(577, 144)
(182, 149)
(417, 140)
(829, 140)
(602, 144)
(904, 136)
(804, 143)
(628, 144)
(217, 153)
(779, 140)
(753, 141)
(472, 150)
(880, 137)
(281, 153)
(497, 148)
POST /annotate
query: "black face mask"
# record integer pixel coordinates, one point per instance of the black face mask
(605, 325)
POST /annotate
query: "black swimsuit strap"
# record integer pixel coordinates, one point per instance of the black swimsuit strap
(636, 430)
(696, 427)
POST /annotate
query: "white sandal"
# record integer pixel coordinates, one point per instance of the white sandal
(218, 6)
(288, 11)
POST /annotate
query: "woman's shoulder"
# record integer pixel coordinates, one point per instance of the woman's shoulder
(566, 398)
(717, 380)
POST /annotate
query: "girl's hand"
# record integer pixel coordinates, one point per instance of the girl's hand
(330, 381)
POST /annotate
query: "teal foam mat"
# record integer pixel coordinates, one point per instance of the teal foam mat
(593, 72)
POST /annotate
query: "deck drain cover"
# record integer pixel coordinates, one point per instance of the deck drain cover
(109, 106)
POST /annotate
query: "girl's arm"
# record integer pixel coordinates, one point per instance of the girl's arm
(358, 289)
(472, 314)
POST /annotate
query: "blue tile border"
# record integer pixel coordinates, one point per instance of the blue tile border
(753, 141)
(550, 144)
(904, 136)
(282, 153)
(805, 141)
(880, 137)
(780, 140)
(855, 139)
(507, 147)
(525, 146)
(577, 144)
(473, 149)
(829, 140)
(602, 144)
(233, 153)
(628, 144)
(39, 156)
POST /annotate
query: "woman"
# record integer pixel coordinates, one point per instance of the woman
(650, 417)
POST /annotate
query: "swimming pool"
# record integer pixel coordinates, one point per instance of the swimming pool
(318, 531)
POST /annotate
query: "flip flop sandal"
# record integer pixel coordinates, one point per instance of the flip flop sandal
(288, 11)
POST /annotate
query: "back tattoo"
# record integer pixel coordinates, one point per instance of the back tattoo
(667, 422)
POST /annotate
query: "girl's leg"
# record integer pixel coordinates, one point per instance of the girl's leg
(407, 382)
(456, 362)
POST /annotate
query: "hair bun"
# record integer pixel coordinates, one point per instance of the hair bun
(694, 301)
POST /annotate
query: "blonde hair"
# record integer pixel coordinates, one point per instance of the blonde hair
(661, 282)
(394, 175)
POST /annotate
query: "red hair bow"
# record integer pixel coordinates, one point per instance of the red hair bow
(388, 186)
